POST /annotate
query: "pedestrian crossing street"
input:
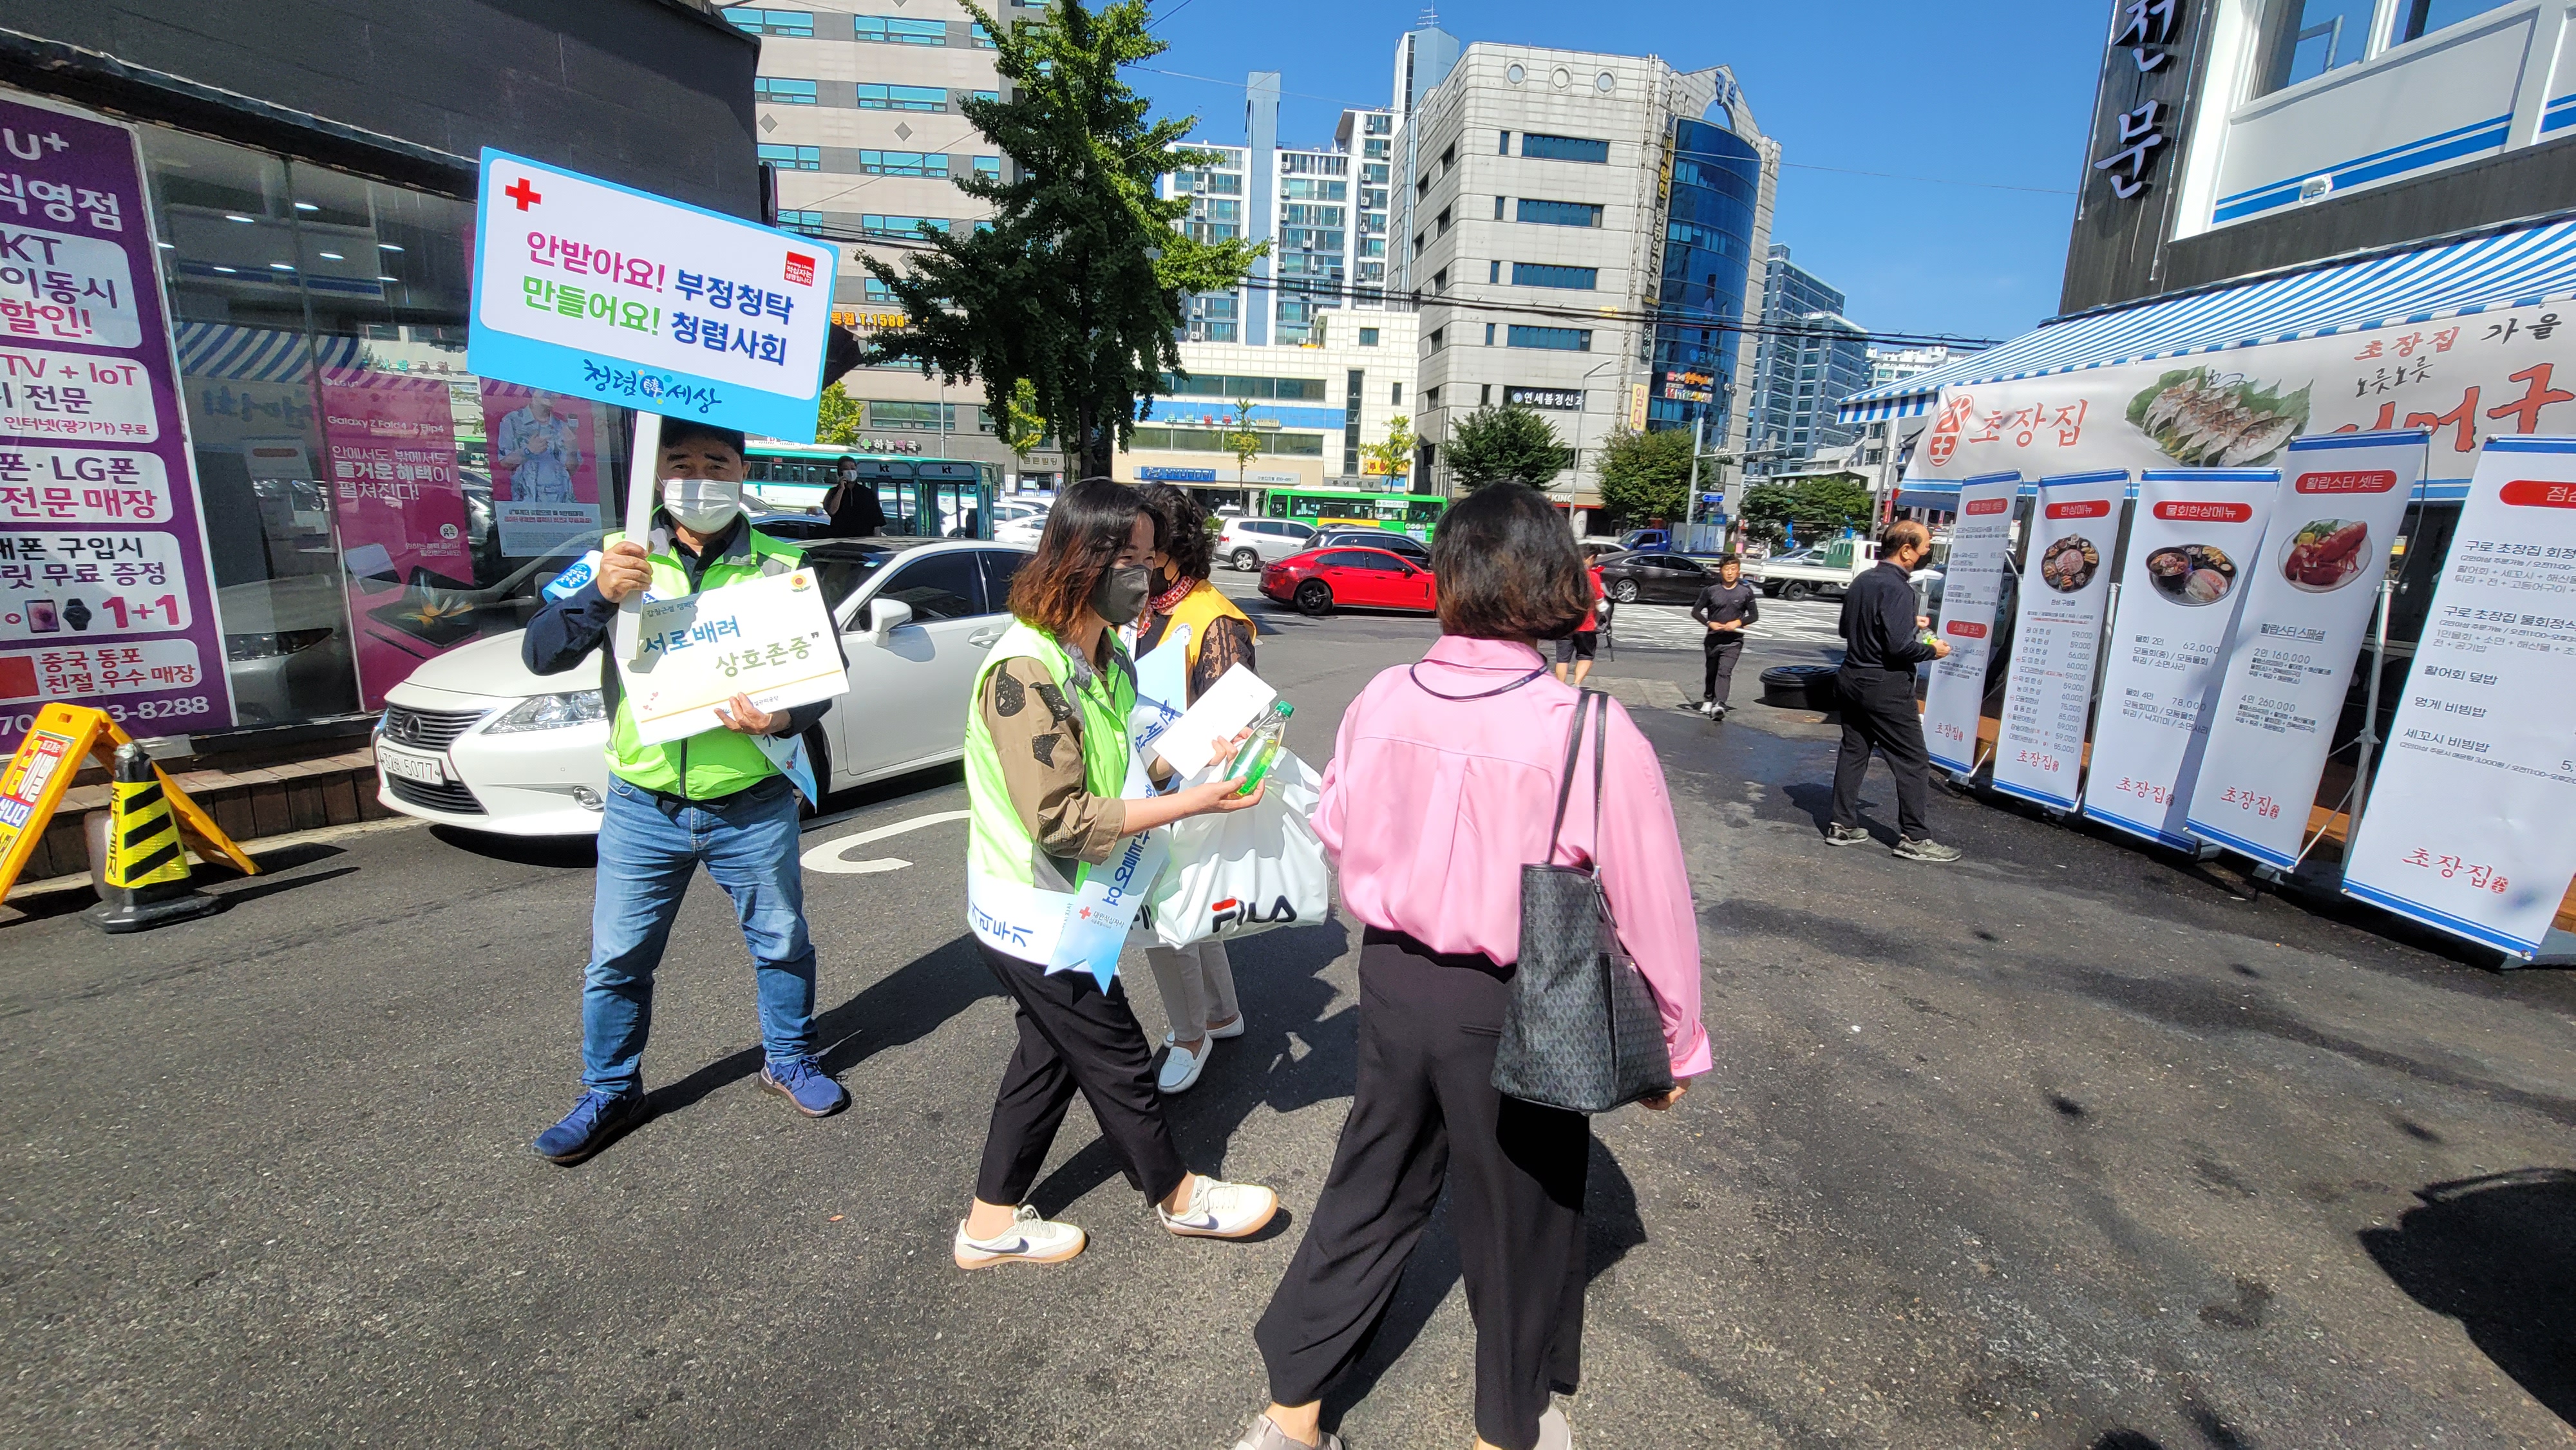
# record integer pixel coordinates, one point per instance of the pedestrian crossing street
(1669, 626)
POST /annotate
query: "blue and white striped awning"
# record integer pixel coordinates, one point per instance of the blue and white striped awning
(259, 354)
(2521, 268)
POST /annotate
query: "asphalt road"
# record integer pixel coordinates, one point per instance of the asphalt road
(2066, 1145)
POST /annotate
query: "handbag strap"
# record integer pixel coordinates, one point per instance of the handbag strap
(1505, 689)
(1600, 762)
(1573, 752)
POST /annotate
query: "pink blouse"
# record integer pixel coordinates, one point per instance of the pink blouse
(1432, 806)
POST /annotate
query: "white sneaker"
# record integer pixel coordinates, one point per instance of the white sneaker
(1181, 1066)
(1231, 1029)
(1265, 1435)
(1221, 1210)
(1030, 1239)
(1553, 1431)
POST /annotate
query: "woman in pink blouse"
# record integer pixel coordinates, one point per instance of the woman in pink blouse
(1441, 788)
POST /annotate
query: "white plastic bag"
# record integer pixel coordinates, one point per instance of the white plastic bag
(1244, 872)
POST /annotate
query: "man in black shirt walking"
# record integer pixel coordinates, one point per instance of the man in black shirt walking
(1883, 642)
(1725, 607)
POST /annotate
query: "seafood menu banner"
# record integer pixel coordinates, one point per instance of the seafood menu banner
(2057, 636)
(2197, 539)
(107, 598)
(2467, 827)
(1980, 552)
(2308, 597)
(2466, 379)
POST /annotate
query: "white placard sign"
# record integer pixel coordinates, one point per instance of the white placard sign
(1972, 587)
(2193, 549)
(770, 639)
(2342, 500)
(2057, 636)
(2468, 823)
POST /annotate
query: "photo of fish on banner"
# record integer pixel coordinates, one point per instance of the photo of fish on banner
(2218, 420)
(1238, 873)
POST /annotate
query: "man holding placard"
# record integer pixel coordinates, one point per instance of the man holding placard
(716, 797)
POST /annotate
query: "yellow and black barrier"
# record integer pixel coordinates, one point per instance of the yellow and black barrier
(145, 881)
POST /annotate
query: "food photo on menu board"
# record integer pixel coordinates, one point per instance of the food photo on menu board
(2326, 554)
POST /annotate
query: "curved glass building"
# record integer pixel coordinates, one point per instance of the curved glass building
(1715, 183)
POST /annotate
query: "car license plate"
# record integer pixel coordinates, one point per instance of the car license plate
(418, 769)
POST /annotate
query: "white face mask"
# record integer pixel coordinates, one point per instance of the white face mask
(701, 505)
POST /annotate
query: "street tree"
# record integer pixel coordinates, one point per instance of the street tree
(1645, 477)
(1820, 505)
(1509, 443)
(1240, 440)
(1394, 457)
(1023, 427)
(1075, 282)
(838, 417)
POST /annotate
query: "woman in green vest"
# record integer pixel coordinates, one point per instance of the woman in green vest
(1056, 792)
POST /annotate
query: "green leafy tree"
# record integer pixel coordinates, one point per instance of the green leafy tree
(1075, 283)
(1023, 427)
(1645, 477)
(1240, 439)
(1821, 505)
(1395, 455)
(838, 418)
(1506, 444)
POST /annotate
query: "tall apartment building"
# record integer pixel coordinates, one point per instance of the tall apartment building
(1579, 237)
(1324, 211)
(1808, 359)
(859, 122)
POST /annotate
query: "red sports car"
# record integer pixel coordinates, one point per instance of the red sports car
(1320, 579)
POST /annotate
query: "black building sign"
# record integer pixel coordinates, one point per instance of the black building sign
(2145, 29)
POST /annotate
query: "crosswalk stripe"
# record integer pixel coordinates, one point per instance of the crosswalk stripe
(1669, 626)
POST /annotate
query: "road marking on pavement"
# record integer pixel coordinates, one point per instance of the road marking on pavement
(1669, 626)
(828, 858)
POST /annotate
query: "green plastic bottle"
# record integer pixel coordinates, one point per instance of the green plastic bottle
(1252, 763)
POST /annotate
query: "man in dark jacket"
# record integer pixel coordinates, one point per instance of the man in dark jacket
(853, 505)
(1884, 639)
(1725, 607)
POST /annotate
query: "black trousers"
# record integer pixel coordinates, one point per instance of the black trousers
(1879, 714)
(1426, 1114)
(1073, 1035)
(1722, 648)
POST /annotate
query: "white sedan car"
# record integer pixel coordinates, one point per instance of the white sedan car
(474, 740)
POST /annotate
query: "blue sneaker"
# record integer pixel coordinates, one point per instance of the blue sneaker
(598, 1120)
(805, 1085)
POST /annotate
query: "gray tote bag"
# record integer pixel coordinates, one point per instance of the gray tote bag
(1583, 1032)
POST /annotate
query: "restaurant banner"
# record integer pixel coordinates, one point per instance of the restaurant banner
(391, 438)
(2194, 545)
(2466, 379)
(1980, 552)
(107, 599)
(2341, 502)
(2057, 636)
(545, 467)
(2467, 826)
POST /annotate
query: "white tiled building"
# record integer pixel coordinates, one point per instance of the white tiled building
(1315, 407)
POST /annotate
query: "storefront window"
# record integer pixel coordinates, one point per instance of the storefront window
(369, 503)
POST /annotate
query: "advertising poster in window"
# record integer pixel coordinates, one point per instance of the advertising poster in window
(391, 445)
(1980, 552)
(2308, 602)
(106, 599)
(2193, 550)
(545, 467)
(2057, 636)
(2467, 824)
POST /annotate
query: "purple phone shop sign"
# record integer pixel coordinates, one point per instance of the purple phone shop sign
(106, 598)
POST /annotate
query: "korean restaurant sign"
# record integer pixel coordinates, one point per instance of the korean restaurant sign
(2466, 378)
(107, 599)
(600, 291)
(2466, 829)
(2308, 600)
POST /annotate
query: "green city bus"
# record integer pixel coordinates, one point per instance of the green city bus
(922, 497)
(1417, 514)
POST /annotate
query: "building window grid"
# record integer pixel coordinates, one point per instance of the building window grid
(1557, 213)
(792, 158)
(904, 163)
(902, 98)
(773, 22)
(893, 30)
(783, 91)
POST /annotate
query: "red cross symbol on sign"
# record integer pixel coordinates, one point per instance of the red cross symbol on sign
(522, 193)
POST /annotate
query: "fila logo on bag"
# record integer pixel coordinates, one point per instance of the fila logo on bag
(1235, 912)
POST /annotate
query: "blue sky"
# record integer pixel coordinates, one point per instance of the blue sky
(1996, 92)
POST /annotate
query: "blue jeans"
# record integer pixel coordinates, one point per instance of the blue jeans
(646, 856)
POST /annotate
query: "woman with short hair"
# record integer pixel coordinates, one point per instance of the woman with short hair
(1048, 784)
(1442, 786)
(1197, 981)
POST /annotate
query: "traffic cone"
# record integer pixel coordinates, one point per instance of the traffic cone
(147, 867)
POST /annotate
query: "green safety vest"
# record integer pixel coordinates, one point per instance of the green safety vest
(1016, 894)
(711, 764)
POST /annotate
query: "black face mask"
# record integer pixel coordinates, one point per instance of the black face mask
(1121, 593)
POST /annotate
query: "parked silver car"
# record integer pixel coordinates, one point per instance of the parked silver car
(1249, 544)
